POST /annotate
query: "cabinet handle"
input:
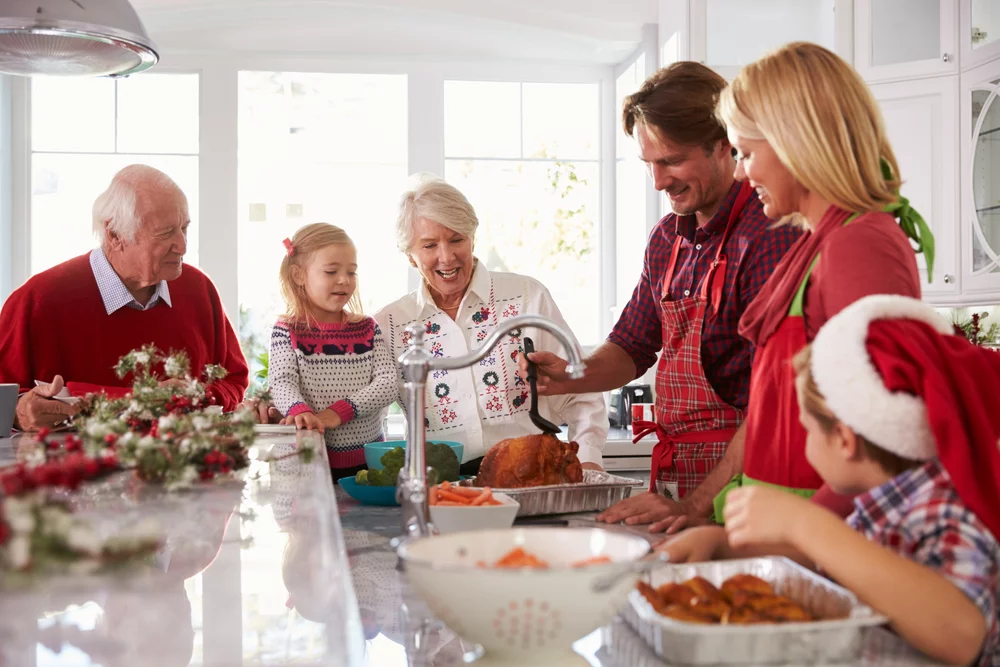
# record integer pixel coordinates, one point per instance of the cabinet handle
(948, 278)
(946, 57)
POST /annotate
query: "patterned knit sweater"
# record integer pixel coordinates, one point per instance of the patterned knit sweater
(345, 367)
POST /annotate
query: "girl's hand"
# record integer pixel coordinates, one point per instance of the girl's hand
(307, 421)
(329, 418)
(759, 515)
(695, 545)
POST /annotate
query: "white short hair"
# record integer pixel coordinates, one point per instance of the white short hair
(117, 208)
(434, 199)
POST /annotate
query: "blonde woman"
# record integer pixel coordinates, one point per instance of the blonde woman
(460, 302)
(329, 368)
(811, 141)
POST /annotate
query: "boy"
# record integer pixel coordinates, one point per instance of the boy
(905, 415)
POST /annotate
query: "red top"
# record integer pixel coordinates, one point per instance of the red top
(56, 324)
(869, 255)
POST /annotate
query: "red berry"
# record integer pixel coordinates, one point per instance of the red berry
(43, 433)
(11, 485)
(73, 444)
(111, 438)
(4, 532)
(91, 467)
(206, 475)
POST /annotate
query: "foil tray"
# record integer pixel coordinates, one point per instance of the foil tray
(598, 491)
(837, 640)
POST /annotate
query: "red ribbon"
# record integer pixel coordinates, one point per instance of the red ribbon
(289, 247)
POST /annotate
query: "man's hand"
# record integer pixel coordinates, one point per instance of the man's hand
(37, 409)
(652, 508)
(263, 411)
(696, 545)
(552, 377)
(756, 515)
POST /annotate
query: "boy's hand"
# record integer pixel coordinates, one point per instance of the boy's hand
(695, 545)
(329, 418)
(759, 515)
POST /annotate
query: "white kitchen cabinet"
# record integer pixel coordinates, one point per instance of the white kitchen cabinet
(901, 39)
(979, 32)
(728, 34)
(980, 194)
(921, 118)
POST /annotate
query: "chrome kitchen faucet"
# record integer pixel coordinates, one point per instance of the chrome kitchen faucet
(416, 362)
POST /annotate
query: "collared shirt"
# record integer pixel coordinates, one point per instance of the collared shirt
(487, 402)
(114, 294)
(919, 515)
(753, 251)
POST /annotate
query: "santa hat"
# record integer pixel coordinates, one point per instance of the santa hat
(890, 368)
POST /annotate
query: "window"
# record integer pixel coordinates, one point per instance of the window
(318, 148)
(84, 130)
(526, 156)
(630, 195)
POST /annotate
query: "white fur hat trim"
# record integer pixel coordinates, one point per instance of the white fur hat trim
(853, 388)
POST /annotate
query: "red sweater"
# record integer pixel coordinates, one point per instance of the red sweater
(56, 324)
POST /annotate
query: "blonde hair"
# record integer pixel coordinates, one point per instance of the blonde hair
(434, 199)
(814, 403)
(306, 241)
(822, 121)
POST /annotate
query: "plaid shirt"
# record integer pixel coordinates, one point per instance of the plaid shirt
(114, 294)
(753, 250)
(919, 515)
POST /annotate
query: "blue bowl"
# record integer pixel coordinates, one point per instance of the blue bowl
(375, 450)
(369, 495)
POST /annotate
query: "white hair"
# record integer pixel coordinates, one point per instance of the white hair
(117, 208)
(434, 199)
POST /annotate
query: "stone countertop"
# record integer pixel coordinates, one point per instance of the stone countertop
(280, 568)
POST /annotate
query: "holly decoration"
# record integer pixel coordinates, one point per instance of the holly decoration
(481, 316)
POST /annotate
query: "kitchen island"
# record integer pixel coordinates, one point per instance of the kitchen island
(280, 568)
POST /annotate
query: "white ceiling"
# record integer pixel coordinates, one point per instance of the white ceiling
(571, 31)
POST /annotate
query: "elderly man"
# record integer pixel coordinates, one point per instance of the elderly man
(704, 264)
(76, 319)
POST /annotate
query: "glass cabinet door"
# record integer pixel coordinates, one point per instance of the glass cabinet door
(738, 32)
(986, 179)
(985, 23)
(904, 31)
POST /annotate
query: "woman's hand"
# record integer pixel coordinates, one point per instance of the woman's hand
(591, 466)
(762, 516)
(695, 545)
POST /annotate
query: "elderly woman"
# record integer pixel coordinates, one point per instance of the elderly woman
(460, 302)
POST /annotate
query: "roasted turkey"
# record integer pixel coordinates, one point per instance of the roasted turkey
(530, 460)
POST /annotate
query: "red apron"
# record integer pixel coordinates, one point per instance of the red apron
(688, 410)
(776, 441)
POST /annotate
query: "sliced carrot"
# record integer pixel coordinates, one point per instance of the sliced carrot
(433, 496)
(449, 495)
(465, 491)
(596, 560)
(446, 485)
(450, 503)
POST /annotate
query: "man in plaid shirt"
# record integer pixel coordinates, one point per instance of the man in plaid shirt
(704, 263)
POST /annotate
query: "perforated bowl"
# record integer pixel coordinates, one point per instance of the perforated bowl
(513, 612)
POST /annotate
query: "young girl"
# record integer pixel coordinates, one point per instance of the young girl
(902, 415)
(329, 367)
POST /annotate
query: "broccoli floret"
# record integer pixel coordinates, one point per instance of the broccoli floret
(392, 462)
(442, 459)
(361, 477)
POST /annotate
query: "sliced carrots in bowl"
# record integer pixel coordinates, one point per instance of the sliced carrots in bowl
(460, 508)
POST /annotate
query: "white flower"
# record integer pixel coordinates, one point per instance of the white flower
(82, 538)
(172, 367)
(141, 357)
(146, 415)
(201, 423)
(19, 552)
(96, 429)
(167, 423)
(213, 410)
(19, 515)
(146, 442)
(55, 520)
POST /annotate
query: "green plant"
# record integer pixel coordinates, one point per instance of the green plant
(974, 332)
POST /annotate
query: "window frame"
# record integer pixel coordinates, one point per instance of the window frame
(218, 146)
